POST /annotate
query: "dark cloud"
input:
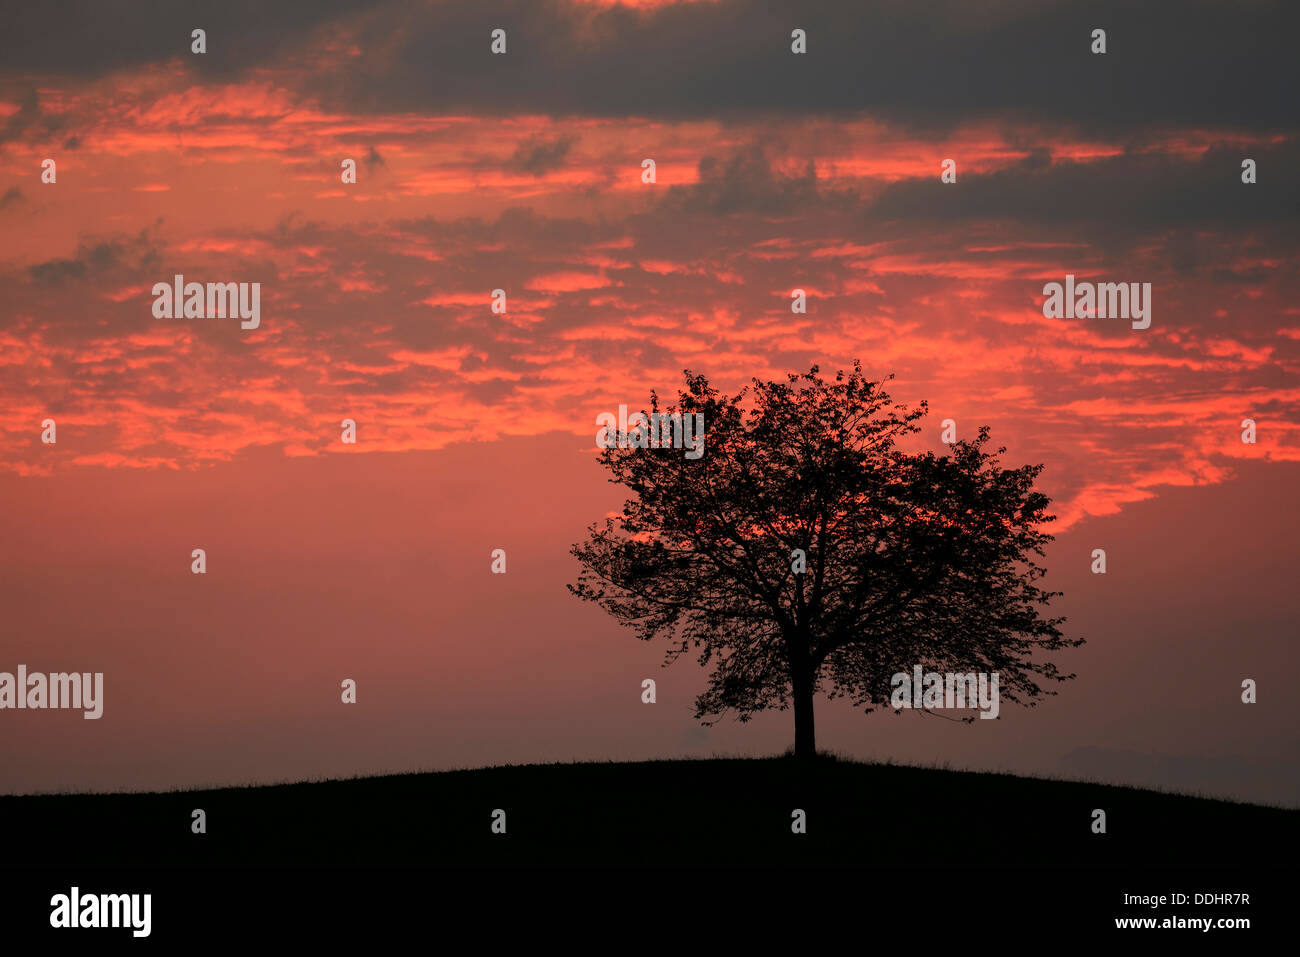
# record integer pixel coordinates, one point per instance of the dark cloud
(1188, 205)
(29, 121)
(540, 154)
(84, 38)
(751, 179)
(1132, 193)
(1169, 62)
(100, 257)
(12, 197)
(931, 64)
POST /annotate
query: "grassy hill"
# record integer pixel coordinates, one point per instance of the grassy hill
(660, 813)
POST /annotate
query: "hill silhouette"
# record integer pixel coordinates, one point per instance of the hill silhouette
(681, 813)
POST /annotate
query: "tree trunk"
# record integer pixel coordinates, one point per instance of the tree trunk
(805, 734)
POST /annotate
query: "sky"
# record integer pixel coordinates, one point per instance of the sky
(523, 172)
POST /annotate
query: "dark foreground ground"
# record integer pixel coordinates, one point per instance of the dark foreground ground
(706, 813)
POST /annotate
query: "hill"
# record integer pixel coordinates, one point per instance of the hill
(688, 813)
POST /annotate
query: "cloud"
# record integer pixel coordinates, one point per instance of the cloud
(923, 65)
(601, 312)
(90, 38)
(1135, 190)
(12, 197)
(95, 259)
(539, 154)
(28, 120)
(749, 180)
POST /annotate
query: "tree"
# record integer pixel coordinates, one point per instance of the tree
(909, 557)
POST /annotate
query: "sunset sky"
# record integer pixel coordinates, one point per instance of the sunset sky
(475, 430)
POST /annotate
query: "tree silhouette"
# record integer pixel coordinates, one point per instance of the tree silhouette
(910, 557)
